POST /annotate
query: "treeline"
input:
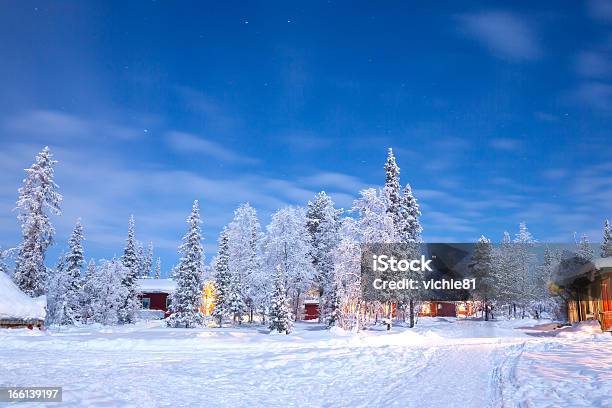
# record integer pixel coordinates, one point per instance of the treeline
(261, 274)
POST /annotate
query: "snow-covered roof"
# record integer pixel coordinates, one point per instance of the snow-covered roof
(14, 304)
(156, 285)
(602, 262)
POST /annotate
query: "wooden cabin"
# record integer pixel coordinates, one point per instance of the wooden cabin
(18, 309)
(155, 294)
(591, 294)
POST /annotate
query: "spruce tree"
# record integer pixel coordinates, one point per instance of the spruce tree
(127, 311)
(148, 263)
(89, 292)
(187, 298)
(279, 316)
(481, 265)
(38, 197)
(392, 187)
(334, 311)
(222, 279)
(606, 245)
(584, 250)
(73, 284)
(235, 303)
(323, 226)
(56, 286)
(158, 268)
(3, 266)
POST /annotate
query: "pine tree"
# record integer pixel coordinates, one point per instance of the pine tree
(606, 245)
(187, 298)
(584, 250)
(235, 304)
(410, 225)
(481, 265)
(333, 307)
(158, 268)
(108, 292)
(288, 247)
(73, 284)
(148, 262)
(244, 261)
(222, 279)
(323, 226)
(392, 187)
(280, 319)
(3, 266)
(56, 286)
(89, 292)
(127, 311)
(37, 197)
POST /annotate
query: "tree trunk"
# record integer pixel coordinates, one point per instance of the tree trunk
(486, 310)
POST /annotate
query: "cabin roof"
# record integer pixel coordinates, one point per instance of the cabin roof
(16, 305)
(156, 285)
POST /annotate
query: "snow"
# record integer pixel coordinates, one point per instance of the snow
(441, 362)
(14, 304)
(156, 285)
(600, 263)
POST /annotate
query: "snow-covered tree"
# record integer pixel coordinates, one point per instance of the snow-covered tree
(280, 317)
(73, 284)
(158, 268)
(584, 250)
(38, 197)
(392, 187)
(108, 294)
(56, 288)
(410, 226)
(323, 225)
(3, 266)
(524, 262)
(606, 245)
(347, 273)
(127, 311)
(147, 263)
(235, 302)
(375, 225)
(222, 278)
(244, 261)
(288, 247)
(481, 265)
(88, 293)
(187, 298)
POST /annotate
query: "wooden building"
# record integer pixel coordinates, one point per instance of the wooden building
(155, 294)
(18, 309)
(591, 294)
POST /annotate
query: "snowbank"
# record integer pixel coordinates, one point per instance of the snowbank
(587, 328)
(14, 304)
(157, 285)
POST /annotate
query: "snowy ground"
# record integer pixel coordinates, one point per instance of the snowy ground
(441, 363)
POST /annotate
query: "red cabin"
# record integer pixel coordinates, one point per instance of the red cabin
(155, 294)
(311, 309)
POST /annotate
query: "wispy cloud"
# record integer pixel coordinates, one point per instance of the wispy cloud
(61, 126)
(188, 143)
(595, 95)
(506, 144)
(507, 35)
(594, 64)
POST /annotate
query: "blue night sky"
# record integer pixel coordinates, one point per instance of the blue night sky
(498, 113)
